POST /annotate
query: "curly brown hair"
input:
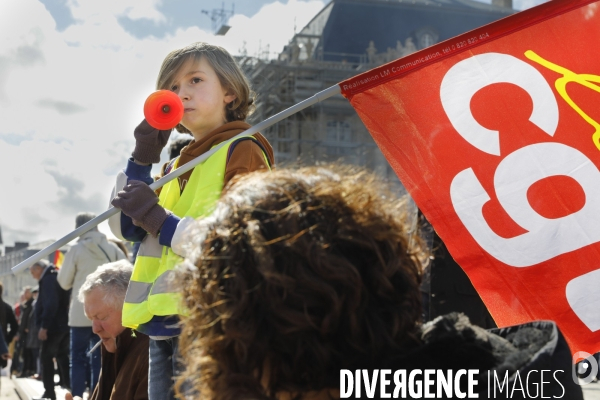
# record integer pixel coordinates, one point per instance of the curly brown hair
(296, 275)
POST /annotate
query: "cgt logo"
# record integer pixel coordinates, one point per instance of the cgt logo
(585, 368)
(546, 238)
(516, 173)
(499, 146)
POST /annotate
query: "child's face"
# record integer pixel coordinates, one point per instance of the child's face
(203, 97)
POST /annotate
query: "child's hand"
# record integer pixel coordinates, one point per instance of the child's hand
(140, 203)
(149, 142)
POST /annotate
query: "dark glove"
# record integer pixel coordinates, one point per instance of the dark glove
(149, 142)
(140, 203)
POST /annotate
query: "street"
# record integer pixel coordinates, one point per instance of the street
(7, 389)
(591, 391)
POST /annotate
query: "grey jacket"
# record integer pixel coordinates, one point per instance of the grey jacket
(91, 251)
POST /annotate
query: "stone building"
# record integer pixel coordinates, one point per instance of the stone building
(13, 255)
(346, 38)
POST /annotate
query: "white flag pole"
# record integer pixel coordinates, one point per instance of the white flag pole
(322, 95)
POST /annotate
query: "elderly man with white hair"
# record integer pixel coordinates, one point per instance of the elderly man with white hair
(124, 371)
(91, 250)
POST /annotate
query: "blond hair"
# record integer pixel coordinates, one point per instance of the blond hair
(230, 75)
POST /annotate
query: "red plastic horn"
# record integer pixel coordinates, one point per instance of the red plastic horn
(163, 110)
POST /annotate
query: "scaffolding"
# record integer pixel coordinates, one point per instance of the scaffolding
(330, 131)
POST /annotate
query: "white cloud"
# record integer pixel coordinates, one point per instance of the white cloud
(271, 28)
(97, 11)
(69, 101)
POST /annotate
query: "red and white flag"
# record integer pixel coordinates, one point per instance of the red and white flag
(496, 136)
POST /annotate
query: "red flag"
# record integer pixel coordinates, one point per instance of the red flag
(58, 258)
(496, 136)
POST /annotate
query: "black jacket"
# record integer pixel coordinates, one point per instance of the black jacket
(26, 310)
(52, 305)
(514, 357)
(8, 320)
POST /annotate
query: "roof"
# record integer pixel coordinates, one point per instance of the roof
(348, 26)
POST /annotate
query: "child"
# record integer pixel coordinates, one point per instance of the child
(217, 99)
(300, 274)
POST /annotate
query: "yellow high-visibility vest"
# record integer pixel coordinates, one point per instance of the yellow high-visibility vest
(150, 292)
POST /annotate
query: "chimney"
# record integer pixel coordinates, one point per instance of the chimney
(18, 246)
(503, 3)
(21, 245)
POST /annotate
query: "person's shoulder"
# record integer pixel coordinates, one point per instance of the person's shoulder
(50, 275)
(95, 236)
(116, 248)
(75, 250)
(78, 245)
(252, 147)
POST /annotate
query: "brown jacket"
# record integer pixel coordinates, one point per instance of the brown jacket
(247, 156)
(124, 374)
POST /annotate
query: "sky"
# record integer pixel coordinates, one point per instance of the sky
(74, 75)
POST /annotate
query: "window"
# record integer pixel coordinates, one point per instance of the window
(283, 139)
(338, 131)
(338, 141)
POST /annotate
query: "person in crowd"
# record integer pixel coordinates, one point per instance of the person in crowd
(8, 320)
(121, 246)
(174, 150)
(4, 354)
(17, 358)
(17, 306)
(91, 250)
(24, 365)
(299, 274)
(446, 287)
(52, 317)
(217, 99)
(124, 373)
(28, 366)
(32, 344)
(177, 145)
(8, 323)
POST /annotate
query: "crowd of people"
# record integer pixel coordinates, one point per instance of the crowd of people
(250, 282)
(50, 329)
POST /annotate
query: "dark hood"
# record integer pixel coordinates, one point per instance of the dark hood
(516, 353)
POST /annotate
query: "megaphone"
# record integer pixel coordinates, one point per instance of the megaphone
(163, 110)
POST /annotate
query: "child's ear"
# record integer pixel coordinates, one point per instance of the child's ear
(229, 97)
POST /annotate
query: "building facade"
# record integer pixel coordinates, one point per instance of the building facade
(14, 283)
(346, 38)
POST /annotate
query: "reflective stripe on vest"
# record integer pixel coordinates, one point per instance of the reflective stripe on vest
(150, 291)
(135, 307)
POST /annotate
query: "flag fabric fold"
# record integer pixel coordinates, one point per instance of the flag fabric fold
(58, 258)
(496, 136)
